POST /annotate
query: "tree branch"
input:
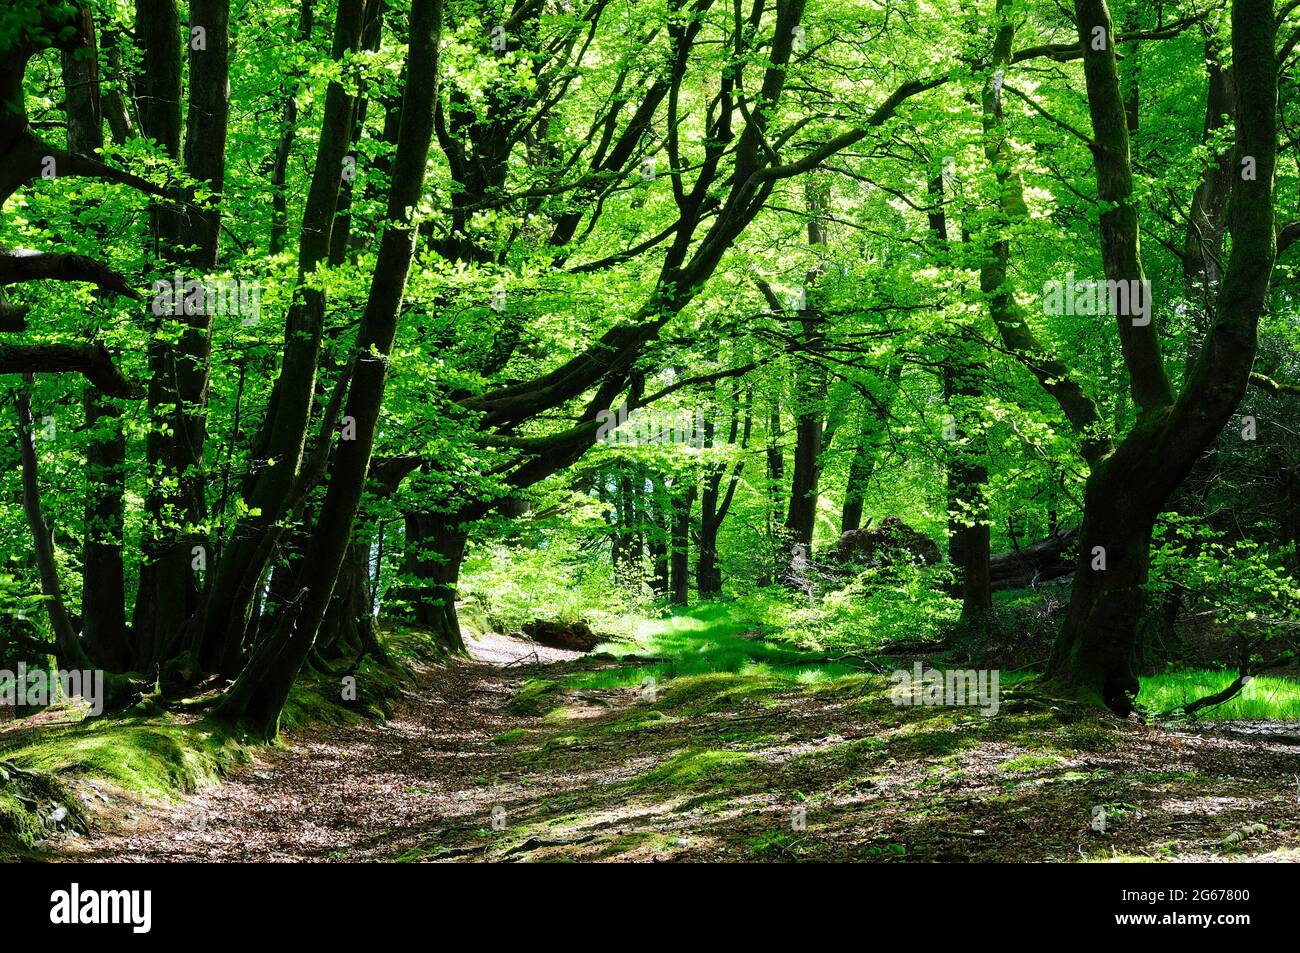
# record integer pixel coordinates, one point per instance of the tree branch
(24, 264)
(1266, 383)
(90, 360)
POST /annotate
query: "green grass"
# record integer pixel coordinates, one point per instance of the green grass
(774, 844)
(1265, 698)
(705, 640)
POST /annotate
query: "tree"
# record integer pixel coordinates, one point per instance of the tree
(1130, 486)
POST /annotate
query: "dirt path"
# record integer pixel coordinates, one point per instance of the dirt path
(727, 767)
(350, 792)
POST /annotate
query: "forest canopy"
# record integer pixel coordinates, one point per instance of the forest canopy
(894, 326)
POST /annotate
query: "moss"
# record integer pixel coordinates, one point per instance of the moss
(652, 720)
(715, 691)
(514, 734)
(152, 753)
(690, 769)
(311, 701)
(1169, 777)
(156, 757)
(1085, 737)
(635, 843)
(930, 743)
(1122, 859)
(159, 756)
(885, 850)
(1030, 762)
(535, 696)
(774, 845)
(371, 695)
(628, 721)
(854, 686)
(849, 758)
(473, 618)
(34, 805)
(19, 827)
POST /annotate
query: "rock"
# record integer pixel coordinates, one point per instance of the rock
(574, 636)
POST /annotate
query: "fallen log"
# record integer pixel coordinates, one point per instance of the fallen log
(893, 541)
(1037, 563)
(574, 636)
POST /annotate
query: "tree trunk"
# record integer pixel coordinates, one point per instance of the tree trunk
(164, 575)
(855, 486)
(805, 479)
(67, 646)
(1127, 491)
(708, 571)
(103, 579)
(1096, 649)
(657, 511)
(206, 122)
(435, 549)
(282, 438)
(775, 494)
(1036, 563)
(970, 471)
(625, 548)
(679, 563)
(103, 576)
(284, 146)
(258, 695)
(714, 502)
(348, 630)
(967, 487)
(874, 427)
(1207, 218)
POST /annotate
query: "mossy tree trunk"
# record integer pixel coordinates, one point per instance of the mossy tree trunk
(1127, 491)
(103, 575)
(435, 550)
(258, 695)
(282, 438)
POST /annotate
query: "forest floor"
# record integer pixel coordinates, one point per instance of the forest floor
(527, 753)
